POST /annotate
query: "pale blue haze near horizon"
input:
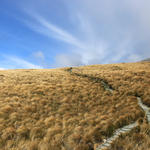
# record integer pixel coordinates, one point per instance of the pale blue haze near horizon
(61, 33)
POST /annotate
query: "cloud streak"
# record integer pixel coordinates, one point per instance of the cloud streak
(13, 62)
(102, 31)
(84, 51)
(47, 28)
(2, 69)
(23, 63)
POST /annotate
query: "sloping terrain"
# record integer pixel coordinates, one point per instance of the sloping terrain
(148, 59)
(74, 108)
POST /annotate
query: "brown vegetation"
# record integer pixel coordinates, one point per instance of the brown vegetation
(58, 110)
(137, 139)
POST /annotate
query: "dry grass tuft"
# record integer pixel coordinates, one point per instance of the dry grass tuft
(70, 108)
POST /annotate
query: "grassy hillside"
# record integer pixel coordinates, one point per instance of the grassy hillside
(74, 108)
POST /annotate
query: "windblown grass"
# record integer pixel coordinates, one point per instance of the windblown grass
(56, 110)
(137, 139)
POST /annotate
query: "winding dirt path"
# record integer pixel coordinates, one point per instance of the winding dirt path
(117, 133)
(145, 108)
(125, 129)
(103, 82)
(107, 143)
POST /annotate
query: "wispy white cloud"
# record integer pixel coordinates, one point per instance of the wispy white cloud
(40, 58)
(23, 63)
(88, 50)
(103, 31)
(13, 62)
(64, 60)
(39, 55)
(134, 58)
(45, 27)
(2, 69)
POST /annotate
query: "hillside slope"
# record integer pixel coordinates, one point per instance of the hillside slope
(148, 59)
(74, 108)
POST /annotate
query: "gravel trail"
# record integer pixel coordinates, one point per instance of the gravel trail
(125, 129)
(107, 143)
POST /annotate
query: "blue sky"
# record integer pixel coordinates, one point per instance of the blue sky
(50, 34)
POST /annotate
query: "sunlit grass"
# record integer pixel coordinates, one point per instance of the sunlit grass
(56, 110)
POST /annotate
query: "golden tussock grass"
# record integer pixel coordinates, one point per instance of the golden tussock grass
(137, 139)
(59, 110)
